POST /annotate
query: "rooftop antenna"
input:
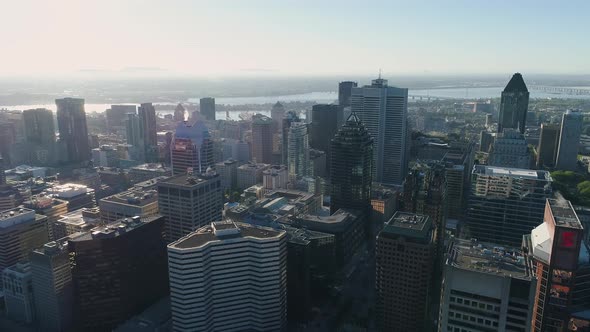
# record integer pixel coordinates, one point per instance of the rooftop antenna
(379, 73)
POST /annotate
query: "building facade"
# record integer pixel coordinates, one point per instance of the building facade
(569, 140)
(21, 230)
(18, 292)
(548, 145)
(510, 149)
(207, 108)
(262, 138)
(192, 148)
(73, 129)
(514, 105)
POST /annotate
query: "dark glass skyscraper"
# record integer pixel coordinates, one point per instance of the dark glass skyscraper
(325, 120)
(147, 116)
(73, 130)
(39, 127)
(514, 105)
(351, 167)
(207, 107)
(344, 92)
(548, 144)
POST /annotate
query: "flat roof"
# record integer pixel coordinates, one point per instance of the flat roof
(488, 258)
(408, 224)
(133, 197)
(511, 172)
(564, 214)
(207, 234)
(115, 229)
(187, 180)
(151, 167)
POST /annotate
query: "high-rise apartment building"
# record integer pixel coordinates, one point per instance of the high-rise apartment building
(39, 126)
(548, 145)
(298, 150)
(214, 287)
(325, 122)
(118, 270)
(275, 177)
(192, 148)
(207, 108)
(149, 131)
(289, 118)
(189, 202)
(510, 149)
(514, 105)
(73, 129)
(262, 133)
(562, 263)
(383, 110)
(486, 287)
(405, 259)
(351, 167)
(21, 230)
(569, 140)
(345, 93)
(52, 286)
(18, 292)
(506, 203)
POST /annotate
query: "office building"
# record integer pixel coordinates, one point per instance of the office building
(179, 112)
(105, 156)
(135, 136)
(262, 133)
(207, 108)
(117, 115)
(383, 110)
(325, 122)
(562, 263)
(548, 145)
(384, 203)
(192, 148)
(144, 172)
(51, 207)
(351, 167)
(405, 260)
(21, 230)
(569, 140)
(189, 202)
(39, 126)
(514, 105)
(289, 118)
(118, 271)
(128, 204)
(250, 174)
(486, 287)
(149, 131)
(458, 161)
(506, 203)
(510, 149)
(277, 113)
(77, 195)
(81, 220)
(2, 172)
(345, 93)
(486, 140)
(298, 150)
(228, 173)
(18, 292)
(213, 266)
(73, 130)
(275, 177)
(10, 197)
(52, 286)
(317, 164)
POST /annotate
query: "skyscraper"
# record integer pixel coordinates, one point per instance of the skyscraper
(506, 203)
(325, 121)
(117, 115)
(39, 127)
(117, 271)
(514, 105)
(351, 167)
(405, 259)
(262, 133)
(277, 113)
(207, 107)
(569, 140)
(548, 145)
(562, 266)
(73, 130)
(214, 287)
(21, 230)
(289, 118)
(384, 111)
(179, 113)
(18, 292)
(2, 174)
(189, 202)
(149, 129)
(192, 147)
(135, 136)
(298, 150)
(345, 92)
(510, 149)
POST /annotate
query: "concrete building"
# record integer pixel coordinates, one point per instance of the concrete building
(2, 172)
(569, 141)
(383, 110)
(561, 260)
(250, 174)
(214, 265)
(506, 203)
(81, 220)
(290, 201)
(262, 133)
(21, 230)
(146, 172)
(105, 156)
(228, 172)
(189, 202)
(510, 149)
(486, 287)
(275, 177)
(18, 293)
(514, 105)
(39, 126)
(50, 207)
(73, 130)
(235, 149)
(118, 271)
(192, 148)
(207, 108)
(128, 204)
(52, 286)
(548, 145)
(405, 259)
(77, 195)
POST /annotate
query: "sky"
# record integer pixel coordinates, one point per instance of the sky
(301, 37)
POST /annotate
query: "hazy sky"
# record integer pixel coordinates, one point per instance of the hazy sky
(243, 37)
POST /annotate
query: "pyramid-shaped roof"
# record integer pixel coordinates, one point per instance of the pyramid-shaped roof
(516, 84)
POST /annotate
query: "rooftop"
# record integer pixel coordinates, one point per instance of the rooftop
(16, 216)
(488, 258)
(151, 167)
(133, 197)
(511, 172)
(187, 180)
(564, 214)
(69, 190)
(213, 233)
(81, 217)
(408, 224)
(115, 229)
